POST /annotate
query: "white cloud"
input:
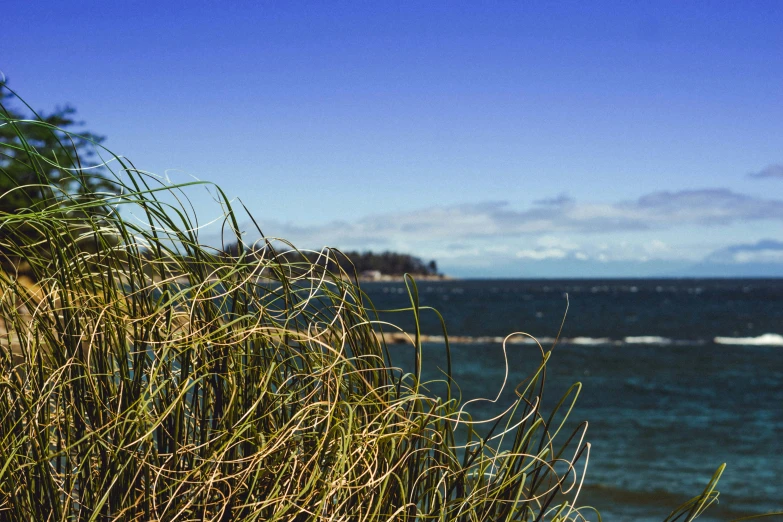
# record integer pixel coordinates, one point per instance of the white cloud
(538, 255)
(656, 246)
(766, 251)
(648, 228)
(761, 256)
(556, 242)
(498, 220)
(552, 247)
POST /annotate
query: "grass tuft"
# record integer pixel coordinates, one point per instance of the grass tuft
(146, 376)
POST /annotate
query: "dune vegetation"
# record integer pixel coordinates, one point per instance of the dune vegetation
(147, 376)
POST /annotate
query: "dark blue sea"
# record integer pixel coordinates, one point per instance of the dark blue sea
(678, 377)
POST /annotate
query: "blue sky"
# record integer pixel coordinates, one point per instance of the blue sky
(502, 139)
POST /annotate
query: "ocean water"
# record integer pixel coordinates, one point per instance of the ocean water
(678, 377)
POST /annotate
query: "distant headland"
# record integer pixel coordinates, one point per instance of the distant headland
(368, 266)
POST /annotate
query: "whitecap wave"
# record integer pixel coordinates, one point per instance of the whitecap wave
(589, 341)
(767, 339)
(647, 339)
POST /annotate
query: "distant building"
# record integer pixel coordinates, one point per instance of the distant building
(372, 275)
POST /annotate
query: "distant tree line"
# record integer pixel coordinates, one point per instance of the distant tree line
(392, 263)
(387, 263)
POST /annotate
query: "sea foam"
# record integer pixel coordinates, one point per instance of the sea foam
(647, 339)
(767, 339)
(589, 341)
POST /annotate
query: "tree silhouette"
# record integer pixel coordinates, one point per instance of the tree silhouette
(41, 163)
(41, 158)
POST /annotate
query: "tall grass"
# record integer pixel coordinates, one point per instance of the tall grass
(146, 376)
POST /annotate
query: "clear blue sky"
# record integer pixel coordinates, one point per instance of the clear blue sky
(502, 139)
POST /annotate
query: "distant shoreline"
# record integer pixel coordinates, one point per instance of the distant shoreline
(384, 278)
(398, 279)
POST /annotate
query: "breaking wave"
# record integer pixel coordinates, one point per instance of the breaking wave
(767, 339)
(647, 339)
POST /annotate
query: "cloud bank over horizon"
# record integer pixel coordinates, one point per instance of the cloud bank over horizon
(657, 233)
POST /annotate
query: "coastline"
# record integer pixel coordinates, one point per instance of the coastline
(387, 278)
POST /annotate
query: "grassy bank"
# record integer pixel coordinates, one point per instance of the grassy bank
(146, 376)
